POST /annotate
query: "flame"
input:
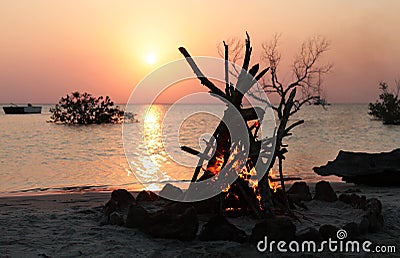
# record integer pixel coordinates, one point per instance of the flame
(226, 189)
(252, 177)
(233, 158)
(273, 185)
(215, 167)
(258, 196)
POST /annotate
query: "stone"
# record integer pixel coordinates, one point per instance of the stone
(328, 231)
(116, 219)
(122, 198)
(176, 207)
(300, 191)
(146, 196)
(189, 223)
(137, 217)
(352, 230)
(171, 192)
(373, 214)
(110, 207)
(219, 228)
(363, 203)
(346, 198)
(182, 227)
(375, 222)
(279, 228)
(309, 234)
(324, 192)
(211, 205)
(354, 200)
(374, 206)
(363, 226)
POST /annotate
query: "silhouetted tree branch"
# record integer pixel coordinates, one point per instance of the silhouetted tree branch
(307, 77)
(235, 53)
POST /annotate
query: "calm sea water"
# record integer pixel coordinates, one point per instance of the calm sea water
(36, 156)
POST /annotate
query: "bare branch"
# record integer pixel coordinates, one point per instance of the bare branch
(244, 79)
(235, 53)
(254, 69)
(303, 67)
(235, 49)
(273, 57)
(227, 89)
(247, 55)
(204, 80)
(262, 73)
(299, 103)
(195, 152)
(290, 127)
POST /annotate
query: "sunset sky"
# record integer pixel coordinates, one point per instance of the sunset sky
(49, 48)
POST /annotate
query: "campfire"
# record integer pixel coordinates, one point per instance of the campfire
(225, 153)
(235, 204)
(273, 184)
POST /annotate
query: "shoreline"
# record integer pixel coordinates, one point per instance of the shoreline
(133, 189)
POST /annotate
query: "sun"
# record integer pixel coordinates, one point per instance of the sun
(150, 58)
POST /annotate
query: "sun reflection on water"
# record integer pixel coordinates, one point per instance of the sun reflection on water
(153, 130)
(153, 139)
(163, 133)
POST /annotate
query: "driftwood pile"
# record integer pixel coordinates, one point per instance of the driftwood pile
(226, 144)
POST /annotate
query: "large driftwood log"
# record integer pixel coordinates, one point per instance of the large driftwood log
(377, 169)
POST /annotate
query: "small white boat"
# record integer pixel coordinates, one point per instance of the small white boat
(29, 109)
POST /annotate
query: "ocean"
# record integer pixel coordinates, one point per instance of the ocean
(41, 157)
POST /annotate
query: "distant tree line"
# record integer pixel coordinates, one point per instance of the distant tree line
(387, 108)
(84, 108)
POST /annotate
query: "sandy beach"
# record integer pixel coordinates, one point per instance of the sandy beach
(68, 225)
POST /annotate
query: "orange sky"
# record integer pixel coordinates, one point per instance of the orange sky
(49, 48)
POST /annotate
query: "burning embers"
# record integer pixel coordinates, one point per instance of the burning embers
(243, 196)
